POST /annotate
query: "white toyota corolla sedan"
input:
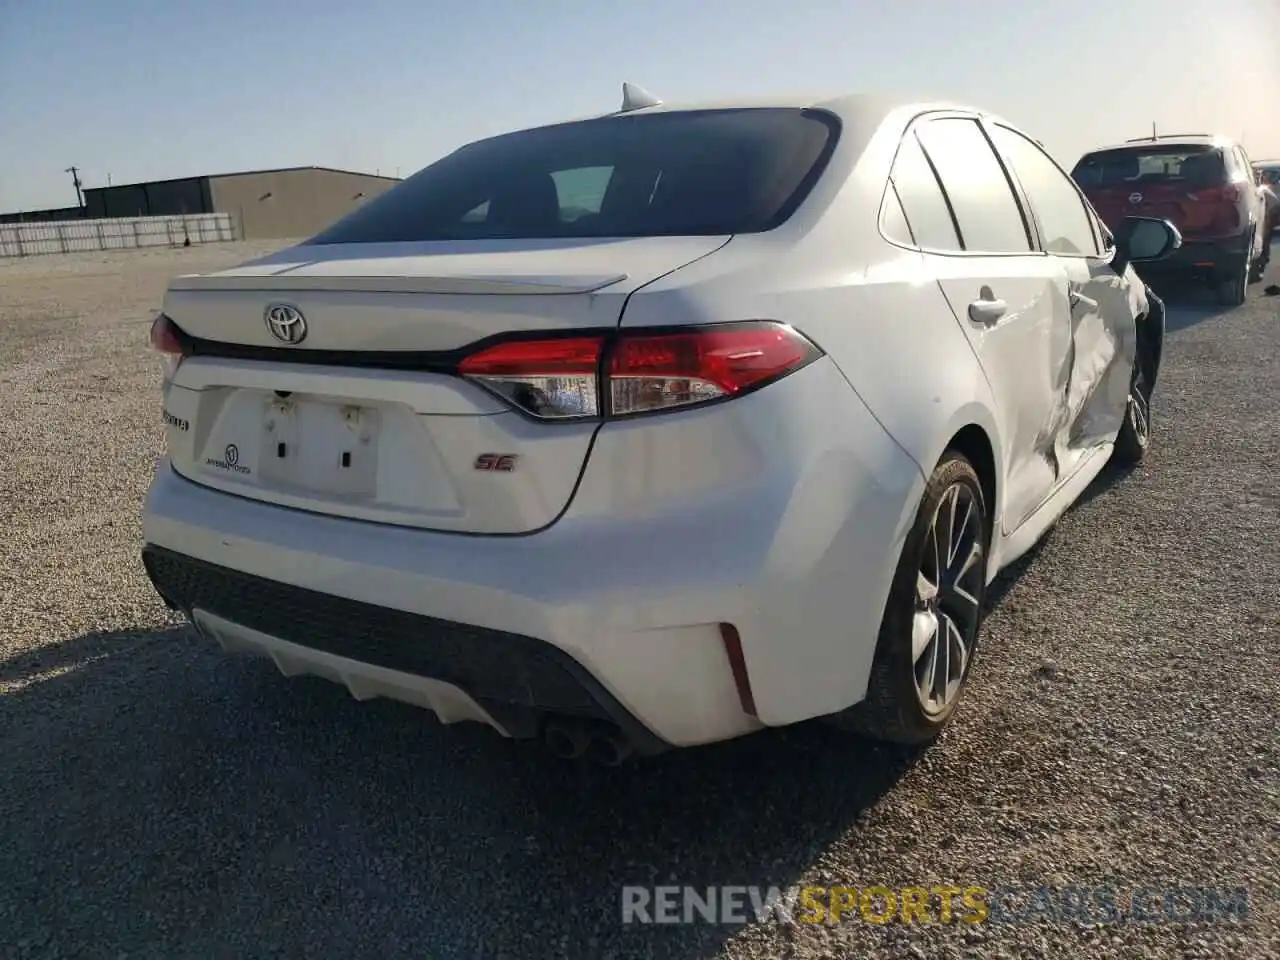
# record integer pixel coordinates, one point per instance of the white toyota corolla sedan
(658, 428)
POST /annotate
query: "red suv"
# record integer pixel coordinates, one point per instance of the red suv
(1203, 185)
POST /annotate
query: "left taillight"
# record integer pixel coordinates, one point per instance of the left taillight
(168, 341)
(637, 372)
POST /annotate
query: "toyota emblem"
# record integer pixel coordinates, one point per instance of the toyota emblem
(1135, 198)
(286, 323)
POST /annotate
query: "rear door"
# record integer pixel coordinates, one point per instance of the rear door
(1102, 304)
(1010, 300)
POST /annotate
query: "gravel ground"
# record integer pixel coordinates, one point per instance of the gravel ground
(160, 799)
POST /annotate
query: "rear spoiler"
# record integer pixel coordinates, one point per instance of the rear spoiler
(478, 285)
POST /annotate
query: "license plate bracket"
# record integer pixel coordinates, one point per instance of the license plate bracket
(320, 447)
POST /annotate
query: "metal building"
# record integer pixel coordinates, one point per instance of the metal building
(43, 216)
(292, 202)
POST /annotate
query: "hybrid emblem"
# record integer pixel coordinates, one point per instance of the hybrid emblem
(286, 323)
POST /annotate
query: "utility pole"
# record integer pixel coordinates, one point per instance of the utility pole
(75, 178)
(1153, 130)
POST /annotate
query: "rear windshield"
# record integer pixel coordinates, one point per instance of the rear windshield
(1194, 166)
(688, 173)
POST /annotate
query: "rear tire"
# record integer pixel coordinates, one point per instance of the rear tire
(918, 677)
(1232, 288)
(1233, 283)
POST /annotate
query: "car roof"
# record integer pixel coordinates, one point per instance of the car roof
(835, 102)
(1171, 140)
(847, 106)
(865, 110)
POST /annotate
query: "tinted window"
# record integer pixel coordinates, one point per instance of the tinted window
(1125, 167)
(581, 192)
(686, 173)
(1065, 224)
(988, 215)
(922, 200)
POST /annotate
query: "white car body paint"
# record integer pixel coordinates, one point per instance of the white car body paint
(625, 544)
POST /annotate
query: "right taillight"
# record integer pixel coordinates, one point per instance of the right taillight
(1221, 194)
(554, 379)
(1224, 215)
(637, 372)
(654, 372)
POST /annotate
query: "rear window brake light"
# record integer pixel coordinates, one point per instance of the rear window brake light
(638, 371)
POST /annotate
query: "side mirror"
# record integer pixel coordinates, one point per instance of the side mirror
(1145, 240)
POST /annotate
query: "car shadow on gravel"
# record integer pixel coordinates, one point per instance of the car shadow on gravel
(167, 798)
(1191, 302)
(1111, 477)
(40, 662)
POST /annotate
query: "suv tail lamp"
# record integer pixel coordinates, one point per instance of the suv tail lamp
(637, 372)
(1229, 193)
(168, 340)
(1224, 210)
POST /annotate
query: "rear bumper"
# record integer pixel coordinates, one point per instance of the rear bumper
(471, 628)
(1220, 253)
(465, 672)
(613, 613)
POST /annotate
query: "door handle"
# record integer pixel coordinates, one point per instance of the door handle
(987, 311)
(1080, 300)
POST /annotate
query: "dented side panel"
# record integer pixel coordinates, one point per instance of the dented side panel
(1058, 360)
(1025, 354)
(1104, 311)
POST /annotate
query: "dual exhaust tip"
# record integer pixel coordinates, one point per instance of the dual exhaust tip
(574, 740)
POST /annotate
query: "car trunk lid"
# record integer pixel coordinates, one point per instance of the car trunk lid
(364, 416)
(423, 296)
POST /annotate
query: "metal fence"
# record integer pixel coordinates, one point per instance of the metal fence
(122, 233)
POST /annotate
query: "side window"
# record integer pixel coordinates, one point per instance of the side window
(1065, 222)
(923, 203)
(894, 220)
(581, 191)
(986, 211)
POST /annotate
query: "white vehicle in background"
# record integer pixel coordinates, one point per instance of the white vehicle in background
(657, 428)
